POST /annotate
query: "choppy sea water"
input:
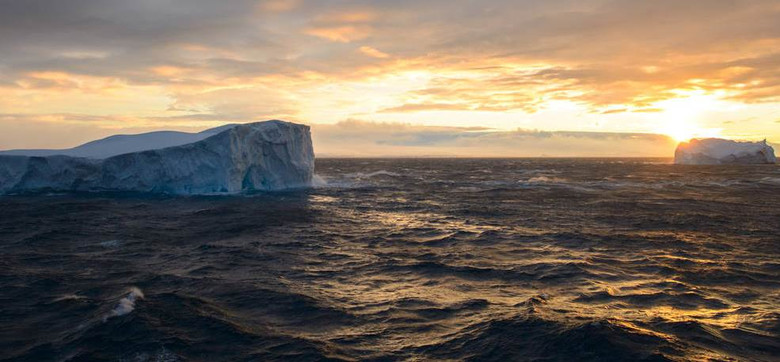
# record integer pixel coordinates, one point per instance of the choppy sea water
(461, 259)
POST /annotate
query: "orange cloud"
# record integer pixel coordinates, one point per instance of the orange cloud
(552, 65)
(63, 81)
(279, 6)
(348, 17)
(341, 34)
(370, 139)
(168, 70)
(372, 52)
(343, 26)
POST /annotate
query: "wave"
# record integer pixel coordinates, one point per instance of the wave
(531, 337)
(546, 179)
(352, 180)
(552, 273)
(683, 301)
(161, 355)
(110, 243)
(361, 175)
(770, 180)
(127, 304)
(421, 260)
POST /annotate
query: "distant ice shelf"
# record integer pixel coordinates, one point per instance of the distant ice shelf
(716, 151)
(266, 156)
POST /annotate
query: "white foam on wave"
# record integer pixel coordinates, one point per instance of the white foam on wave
(538, 171)
(126, 304)
(163, 355)
(110, 243)
(375, 174)
(69, 297)
(770, 180)
(330, 182)
(545, 179)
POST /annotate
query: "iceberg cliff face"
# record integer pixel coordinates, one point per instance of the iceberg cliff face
(715, 151)
(271, 155)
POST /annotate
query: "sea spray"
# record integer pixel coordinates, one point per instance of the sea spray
(126, 304)
(318, 181)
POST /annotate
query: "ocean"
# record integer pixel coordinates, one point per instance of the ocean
(406, 259)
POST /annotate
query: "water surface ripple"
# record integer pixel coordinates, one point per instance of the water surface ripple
(518, 259)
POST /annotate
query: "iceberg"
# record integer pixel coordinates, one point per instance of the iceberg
(263, 156)
(716, 151)
(121, 144)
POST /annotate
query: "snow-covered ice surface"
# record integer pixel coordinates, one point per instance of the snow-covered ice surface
(716, 151)
(265, 156)
(121, 144)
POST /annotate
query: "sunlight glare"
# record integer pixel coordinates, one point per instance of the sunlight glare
(681, 117)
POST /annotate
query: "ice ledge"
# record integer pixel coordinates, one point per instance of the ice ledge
(266, 156)
(716, 151)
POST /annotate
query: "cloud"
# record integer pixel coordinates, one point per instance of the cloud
(373, 52)
(279, 6)
(353, 138)
(368, 139)
(343, 26)
(617, 110)
(328, 60)
(417, 107)
(341, 34)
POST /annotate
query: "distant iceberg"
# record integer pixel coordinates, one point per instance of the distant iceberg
(716, 151)
(266, 156)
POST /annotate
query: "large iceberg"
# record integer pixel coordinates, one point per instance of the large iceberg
(271, 155)
(716, 151)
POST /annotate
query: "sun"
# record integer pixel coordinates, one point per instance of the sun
(680, 132)
(681, 116)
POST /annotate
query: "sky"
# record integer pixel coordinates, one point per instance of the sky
(396, 78)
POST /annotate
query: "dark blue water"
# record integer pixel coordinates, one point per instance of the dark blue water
(547, 260)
